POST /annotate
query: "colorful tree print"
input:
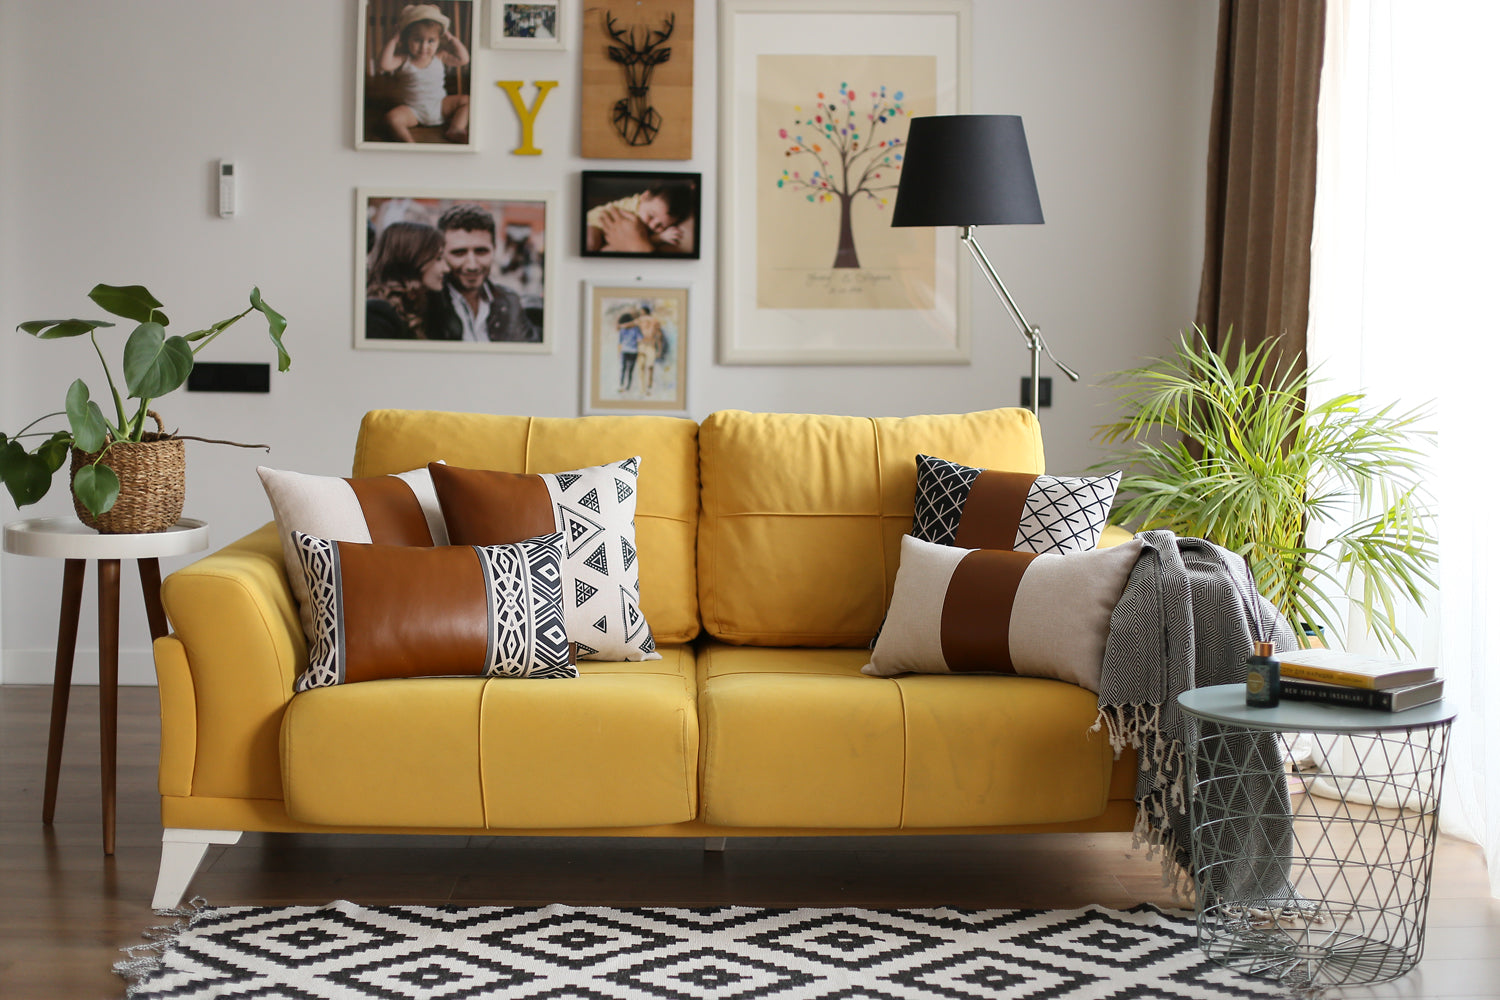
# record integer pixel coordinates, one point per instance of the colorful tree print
(851, 160)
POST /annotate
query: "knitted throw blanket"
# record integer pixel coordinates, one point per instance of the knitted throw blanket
(1187, 619)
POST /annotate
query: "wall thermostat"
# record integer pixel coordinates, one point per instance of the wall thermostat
(226, 188)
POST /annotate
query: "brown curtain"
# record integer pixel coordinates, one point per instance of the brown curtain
(1262, 159)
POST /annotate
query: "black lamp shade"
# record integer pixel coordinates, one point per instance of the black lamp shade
(966, 170)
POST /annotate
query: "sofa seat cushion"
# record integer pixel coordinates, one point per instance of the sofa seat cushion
(801, 738)
(618, 746)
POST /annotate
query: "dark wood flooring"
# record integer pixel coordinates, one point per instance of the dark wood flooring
(66, 909)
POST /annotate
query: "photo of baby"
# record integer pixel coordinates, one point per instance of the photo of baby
(415, 76)
(640, 214)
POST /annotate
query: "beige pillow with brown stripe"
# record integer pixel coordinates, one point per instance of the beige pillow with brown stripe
(958, 610)
(386, 510)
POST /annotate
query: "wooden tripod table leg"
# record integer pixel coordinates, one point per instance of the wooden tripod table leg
(150, 570)
(62, 679)
(109, 678)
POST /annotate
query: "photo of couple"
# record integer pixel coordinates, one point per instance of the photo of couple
(463, 272)
(636, 349)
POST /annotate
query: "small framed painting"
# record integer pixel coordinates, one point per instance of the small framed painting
(414, 78)
(639, 213)
(635, 341)
(453, 270)
(527, 24)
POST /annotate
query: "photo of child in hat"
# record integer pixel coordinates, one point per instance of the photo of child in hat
(414, 85)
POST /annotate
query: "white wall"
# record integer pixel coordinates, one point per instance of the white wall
(112, 116)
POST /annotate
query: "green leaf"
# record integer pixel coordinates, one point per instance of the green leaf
(54, 451)
(85, 418)
(130, 301)
(277, 324)
(26, 476)
(55, 329)
(218, 327)
(155, 364)
(97, 486)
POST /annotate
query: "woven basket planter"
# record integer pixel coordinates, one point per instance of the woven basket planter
(153, 479)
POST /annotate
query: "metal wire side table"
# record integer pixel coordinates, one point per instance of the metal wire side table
(1313, 874)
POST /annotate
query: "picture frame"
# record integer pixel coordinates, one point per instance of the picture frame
(810, 270)
(396, 105)
(528, 24)
(654, 378)
(446, 281)
(668, 205)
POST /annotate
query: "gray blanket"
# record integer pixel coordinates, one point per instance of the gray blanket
(1187, 618)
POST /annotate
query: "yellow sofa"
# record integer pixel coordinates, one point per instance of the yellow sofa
(768, 547)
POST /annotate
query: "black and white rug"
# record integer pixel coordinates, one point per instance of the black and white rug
(343, 951)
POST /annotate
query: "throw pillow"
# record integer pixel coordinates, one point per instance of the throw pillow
(594, 508)
(956, 610)
(387, 510)
(385, 611)
(986, 509)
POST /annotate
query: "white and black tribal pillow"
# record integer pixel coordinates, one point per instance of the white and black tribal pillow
(985, 509)
(383, 611)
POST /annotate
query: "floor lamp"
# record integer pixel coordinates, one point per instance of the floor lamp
(975, 170)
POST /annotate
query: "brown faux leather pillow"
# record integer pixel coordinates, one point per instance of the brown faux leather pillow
(383, 611)
(958, 610)
(594, 508)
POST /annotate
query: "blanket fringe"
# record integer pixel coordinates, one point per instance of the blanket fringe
(1163, 765)
(146, 959)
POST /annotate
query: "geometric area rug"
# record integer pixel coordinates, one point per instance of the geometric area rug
(343, 951)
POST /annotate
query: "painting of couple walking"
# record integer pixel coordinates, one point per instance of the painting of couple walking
(636, 350)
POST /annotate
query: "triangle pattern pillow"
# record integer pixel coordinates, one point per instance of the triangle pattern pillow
(594, 509)
(1020, 512)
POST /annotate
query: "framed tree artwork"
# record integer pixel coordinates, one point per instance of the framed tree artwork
(815, 101)
(635, 346)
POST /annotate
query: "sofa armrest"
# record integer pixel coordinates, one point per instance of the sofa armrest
(236, 623)
(1114, 535)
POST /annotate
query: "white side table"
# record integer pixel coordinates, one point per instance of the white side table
(71, 540)
(1307, 889)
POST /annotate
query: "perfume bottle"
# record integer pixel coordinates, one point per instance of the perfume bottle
(1263, 678)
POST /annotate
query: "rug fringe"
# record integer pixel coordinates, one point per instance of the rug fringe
(147, 958)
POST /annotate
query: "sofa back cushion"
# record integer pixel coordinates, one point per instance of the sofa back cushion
(666, 516)
(800, 533)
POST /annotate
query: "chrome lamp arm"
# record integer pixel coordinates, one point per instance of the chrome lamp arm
(1033, 334)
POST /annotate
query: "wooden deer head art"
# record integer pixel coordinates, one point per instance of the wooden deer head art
(633, 116)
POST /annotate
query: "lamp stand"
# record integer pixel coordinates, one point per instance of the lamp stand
(1033, 334)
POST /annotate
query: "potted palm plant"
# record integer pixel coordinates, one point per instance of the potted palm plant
(125, 478)
(1221, 444)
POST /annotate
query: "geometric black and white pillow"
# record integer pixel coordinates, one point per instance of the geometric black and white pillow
(976, 508)
(594, 508)
(384, 611)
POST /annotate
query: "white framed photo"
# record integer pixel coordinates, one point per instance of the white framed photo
(815, 99)
(635, 347)
(414, 76)
(528, 24)
(438, 270)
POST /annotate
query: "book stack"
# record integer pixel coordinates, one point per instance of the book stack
(1357, 680)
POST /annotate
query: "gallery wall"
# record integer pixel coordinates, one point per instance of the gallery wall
(113, 116)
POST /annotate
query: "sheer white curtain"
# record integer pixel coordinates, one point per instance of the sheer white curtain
(1406, 305)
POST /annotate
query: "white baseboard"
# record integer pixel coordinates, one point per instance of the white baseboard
(35, 666)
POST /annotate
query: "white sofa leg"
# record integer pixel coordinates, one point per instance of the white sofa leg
(714, 845)
(181, 853)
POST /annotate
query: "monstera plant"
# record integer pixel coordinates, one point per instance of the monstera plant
(1222, 444)
(153, 364)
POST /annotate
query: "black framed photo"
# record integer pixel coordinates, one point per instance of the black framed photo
(640, 213)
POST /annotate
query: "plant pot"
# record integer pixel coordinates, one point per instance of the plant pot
(153, 480)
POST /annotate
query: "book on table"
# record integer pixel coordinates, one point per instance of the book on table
(1387, 700)
(1355, 670)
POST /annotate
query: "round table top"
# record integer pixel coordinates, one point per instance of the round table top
(1226, 703)
(70, 538)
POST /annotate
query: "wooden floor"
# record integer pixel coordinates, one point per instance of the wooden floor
(66, 910)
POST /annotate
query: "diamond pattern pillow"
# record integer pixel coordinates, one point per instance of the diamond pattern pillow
(594, 508)
(388, 510)
(985, 509)
(383, 611)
